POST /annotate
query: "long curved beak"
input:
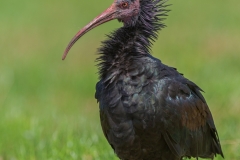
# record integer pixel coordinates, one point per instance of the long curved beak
(106, 16)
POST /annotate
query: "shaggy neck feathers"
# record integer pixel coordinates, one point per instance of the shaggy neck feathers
(135, 41)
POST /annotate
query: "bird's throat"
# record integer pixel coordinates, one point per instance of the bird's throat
(123, 46)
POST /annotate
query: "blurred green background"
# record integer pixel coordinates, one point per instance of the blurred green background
(47, 106)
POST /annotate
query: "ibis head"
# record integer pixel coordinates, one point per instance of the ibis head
(125, 11)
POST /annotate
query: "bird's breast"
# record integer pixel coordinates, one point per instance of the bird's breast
(132, 94)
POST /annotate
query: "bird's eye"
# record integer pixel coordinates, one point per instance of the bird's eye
(124, 5)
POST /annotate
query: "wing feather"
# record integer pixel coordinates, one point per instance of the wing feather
(188, 125)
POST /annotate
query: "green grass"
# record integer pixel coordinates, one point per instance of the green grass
(47, 106)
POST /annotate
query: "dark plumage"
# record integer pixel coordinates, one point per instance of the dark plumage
(148, 110)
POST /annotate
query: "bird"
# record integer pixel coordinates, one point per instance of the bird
(148, 110)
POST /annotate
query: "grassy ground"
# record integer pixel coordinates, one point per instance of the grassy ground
(47, 107)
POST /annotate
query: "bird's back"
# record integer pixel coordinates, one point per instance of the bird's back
(150, 111)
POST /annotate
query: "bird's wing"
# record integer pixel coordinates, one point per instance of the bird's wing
(188, 126)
